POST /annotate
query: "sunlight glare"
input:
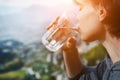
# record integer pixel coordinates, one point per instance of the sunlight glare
(33, 2)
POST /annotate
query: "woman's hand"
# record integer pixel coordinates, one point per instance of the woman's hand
(71, 58)
(70, 45)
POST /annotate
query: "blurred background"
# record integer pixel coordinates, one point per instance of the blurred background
(22, 55)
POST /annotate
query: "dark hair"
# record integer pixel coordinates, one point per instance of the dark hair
(113, 15)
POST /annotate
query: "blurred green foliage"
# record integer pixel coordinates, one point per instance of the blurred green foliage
(36, 60)
(10, 62)
(13, 75)
(95, 55)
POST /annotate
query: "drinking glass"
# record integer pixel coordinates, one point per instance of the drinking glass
(61, 29)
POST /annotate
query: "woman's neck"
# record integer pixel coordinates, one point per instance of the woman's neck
(112, 46)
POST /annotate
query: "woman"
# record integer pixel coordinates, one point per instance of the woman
(98, 20)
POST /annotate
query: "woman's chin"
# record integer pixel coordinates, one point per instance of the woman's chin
(87, 39)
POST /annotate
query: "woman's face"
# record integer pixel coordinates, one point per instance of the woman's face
(89, 23)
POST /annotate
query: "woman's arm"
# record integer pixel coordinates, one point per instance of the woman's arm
(71, 59)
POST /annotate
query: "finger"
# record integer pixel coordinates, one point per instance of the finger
(64, 47)
(71, 42)
(54, 22)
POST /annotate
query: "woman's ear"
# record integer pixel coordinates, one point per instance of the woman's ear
(102, 13)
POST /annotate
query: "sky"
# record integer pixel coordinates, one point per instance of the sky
(26, 3)
(13, 22)
(13, 6)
